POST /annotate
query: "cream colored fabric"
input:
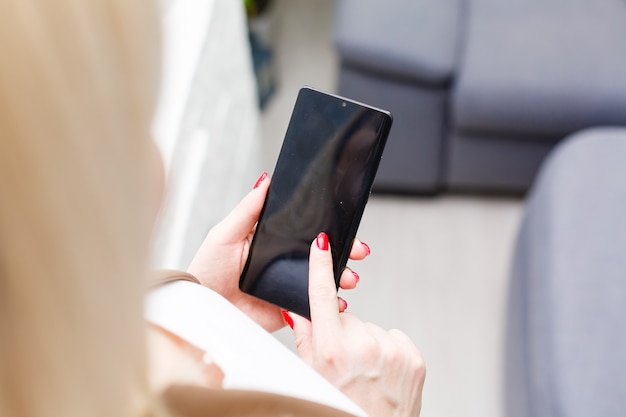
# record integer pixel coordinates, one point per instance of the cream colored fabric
(194, 401)
(191, 401)
(165, 276)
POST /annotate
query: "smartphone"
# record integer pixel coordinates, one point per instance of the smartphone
(321, 183)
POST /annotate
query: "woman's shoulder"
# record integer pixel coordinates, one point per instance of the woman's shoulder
(194, 401)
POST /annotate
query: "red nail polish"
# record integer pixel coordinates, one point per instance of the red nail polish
(287, 318)
(344, 304)
(260, 180)
(358, 278)
(367, 248)
(322, 241)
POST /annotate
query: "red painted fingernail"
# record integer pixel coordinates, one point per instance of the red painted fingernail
(260, 180)
(322, 241)
(287, 318)
(344, 304)
(367, 248)
(358, 278)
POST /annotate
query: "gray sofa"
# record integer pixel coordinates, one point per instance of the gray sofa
(481, 90)
(566, 342)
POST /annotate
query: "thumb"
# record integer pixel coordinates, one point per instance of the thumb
(303, 336)
(241, 220)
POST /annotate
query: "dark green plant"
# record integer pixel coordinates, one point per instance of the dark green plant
(255, 7)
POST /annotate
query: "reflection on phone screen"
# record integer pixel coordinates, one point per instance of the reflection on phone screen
(321, 183)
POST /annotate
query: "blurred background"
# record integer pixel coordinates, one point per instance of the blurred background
(443, 221)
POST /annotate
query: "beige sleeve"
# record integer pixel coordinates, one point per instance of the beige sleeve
(165, 276)
(193, 401)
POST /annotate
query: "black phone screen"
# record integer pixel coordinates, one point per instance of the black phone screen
(321, 183)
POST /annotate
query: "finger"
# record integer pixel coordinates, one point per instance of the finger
(359, 250)
(342, 304)
(243, 218)
(394, 355)
(388, 343)
(349, 279)
(406, 341)
(322, 290)
(302, 332)
(415, 360)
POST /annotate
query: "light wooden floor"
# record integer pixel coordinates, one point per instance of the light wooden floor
(439, 266)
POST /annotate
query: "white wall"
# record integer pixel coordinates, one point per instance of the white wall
(206, 124)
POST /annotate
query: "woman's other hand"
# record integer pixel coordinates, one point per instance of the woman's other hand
(219, 262)
(382, 371)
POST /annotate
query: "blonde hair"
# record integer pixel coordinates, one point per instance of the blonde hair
(78, 84)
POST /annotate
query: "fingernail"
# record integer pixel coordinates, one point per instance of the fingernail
(344, 304)
(260, 180)
(287, 318)
(367, 248)
(322, 241)
(358, 278)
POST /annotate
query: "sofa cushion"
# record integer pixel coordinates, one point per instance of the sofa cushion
(542, 67)
(492, 163)
(566, 347)
(409, 39)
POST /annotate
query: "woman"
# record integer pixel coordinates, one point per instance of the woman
(78, 86)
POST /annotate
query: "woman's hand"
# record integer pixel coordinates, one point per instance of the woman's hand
(382, 371)
(220, 260)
